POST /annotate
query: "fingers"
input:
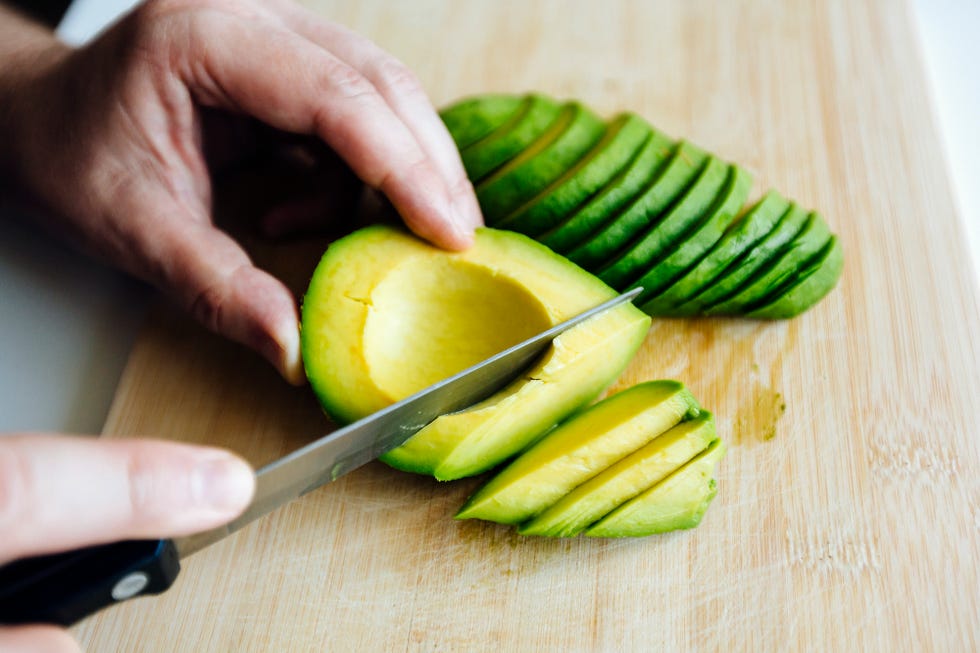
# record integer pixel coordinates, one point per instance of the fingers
(211, 276)
(62, 492)
(294, 84)
(37, 639)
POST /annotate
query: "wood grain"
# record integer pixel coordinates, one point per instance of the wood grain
(849, 506)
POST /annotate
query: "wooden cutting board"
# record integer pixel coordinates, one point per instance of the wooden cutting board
(849, 506)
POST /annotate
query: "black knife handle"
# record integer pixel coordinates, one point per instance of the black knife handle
(66, 587)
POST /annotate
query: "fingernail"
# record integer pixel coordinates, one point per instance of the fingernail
(466, 210)
(225, 484)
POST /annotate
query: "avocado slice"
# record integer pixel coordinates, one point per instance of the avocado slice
(701, 238)
(602, 208)
(783, 266)
(740, 236)
(619, 145)
(676, 177)
(813, 282)
(387, 314)
(475, 118)
(677, 502)
(507, 141)
(667, 230)
(742, 269)
(557, 150)
(578, 450)
(649, 465)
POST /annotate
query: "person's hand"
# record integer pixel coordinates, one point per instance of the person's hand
(60, 492)
(111, 139)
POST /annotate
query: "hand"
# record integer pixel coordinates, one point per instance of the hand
(59, 492)
(110, 138)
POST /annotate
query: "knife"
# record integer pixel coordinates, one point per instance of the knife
(63, 588)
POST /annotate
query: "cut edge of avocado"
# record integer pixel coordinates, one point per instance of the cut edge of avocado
(676, 503)
(591, 501)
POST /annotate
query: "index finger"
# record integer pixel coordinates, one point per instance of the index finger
(292, 84)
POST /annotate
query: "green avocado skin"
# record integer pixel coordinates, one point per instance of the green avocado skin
(638, 209)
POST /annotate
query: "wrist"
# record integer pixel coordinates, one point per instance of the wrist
(29, 53)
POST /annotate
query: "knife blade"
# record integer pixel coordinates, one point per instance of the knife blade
(65, 587)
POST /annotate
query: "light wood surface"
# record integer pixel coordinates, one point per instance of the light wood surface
(848, 521)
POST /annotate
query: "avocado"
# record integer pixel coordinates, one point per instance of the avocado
(700, 238)
(507, 141)
(579, 449)
(557, 150)
(605, 206)
(387, 314)
(636, 215)
(750, 262)
(677, 502)
(782, 267)
(811, 284)
(470, 120)
(603, 246)
(649, 465)
(665, 232)
(740, 236)
(621, 142)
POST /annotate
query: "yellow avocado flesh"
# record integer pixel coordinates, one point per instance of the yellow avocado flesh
(578, 450)
(647, 466)
(387, 314)
(677, 502)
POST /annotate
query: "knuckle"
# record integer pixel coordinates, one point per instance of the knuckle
(397, 77)
(144, 488)
(346, 81)
(207, 307)
(14, 487)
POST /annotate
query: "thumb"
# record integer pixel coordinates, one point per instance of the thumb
(37, 639)
(63, 492)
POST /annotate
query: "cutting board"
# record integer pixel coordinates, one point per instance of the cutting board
(848, 508)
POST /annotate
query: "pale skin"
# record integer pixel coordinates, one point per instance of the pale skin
(108, 142)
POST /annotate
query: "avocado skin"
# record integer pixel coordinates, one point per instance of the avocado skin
(628, 213)
(810, 286)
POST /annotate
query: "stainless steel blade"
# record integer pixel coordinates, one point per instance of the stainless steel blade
(347, 448)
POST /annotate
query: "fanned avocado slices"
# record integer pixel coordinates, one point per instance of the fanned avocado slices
(470, 120)
(636, 208)
(700, 238)
(620, 144)
(560, 147)
(741, 235)
(511, 138)
(668, 229)
(605, 206)
(685, 167)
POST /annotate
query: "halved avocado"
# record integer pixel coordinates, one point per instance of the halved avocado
(603, 246)
(677, 502)
(472, 119)
(750, 262)
(742, 235)
(600, 495)
(667, 230)
(387, 314)
(578, 450)
(619, 193)
(619, 145)
(701, 238)
(551, 155)
(507, 141)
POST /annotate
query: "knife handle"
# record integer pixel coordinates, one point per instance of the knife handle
(63, 588)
